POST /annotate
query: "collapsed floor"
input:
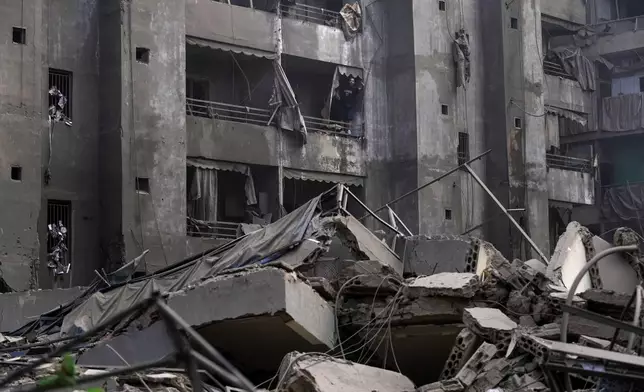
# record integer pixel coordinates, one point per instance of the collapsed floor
(316, 302)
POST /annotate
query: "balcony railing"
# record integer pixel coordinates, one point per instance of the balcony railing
(569, 163)
(214, 230)
(311, 14)
(555, 69)
(250, 115)
(225, 111)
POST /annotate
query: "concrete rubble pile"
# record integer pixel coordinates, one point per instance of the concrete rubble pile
(335, 308)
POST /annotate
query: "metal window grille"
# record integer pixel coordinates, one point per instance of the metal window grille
(63, 81)
(463, 148)
(60, 211)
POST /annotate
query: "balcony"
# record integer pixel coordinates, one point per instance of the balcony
(311, 14)
(308, 32)
(570, 180)
(237, 133)
(616, 36)
(249, 115)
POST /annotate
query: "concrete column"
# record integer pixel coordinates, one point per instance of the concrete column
(533, 131)
(22, 128)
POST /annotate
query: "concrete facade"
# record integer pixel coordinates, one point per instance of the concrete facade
(130, 63)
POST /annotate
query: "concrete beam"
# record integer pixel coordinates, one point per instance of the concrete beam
(257, 316)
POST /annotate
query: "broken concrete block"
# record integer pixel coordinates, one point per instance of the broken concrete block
(490, 324)
(447, 284)
(452, 385)
(466, 343)
(475, 365)
(573, 250)
(315, 372)
(493, 373)
(616, 272)
(425, 255)
(363, 244)
(229, 310)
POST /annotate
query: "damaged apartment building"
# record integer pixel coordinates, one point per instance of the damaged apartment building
(168, 127)
(321, 195)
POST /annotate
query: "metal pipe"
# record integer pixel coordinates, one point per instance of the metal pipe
(369, 212)
(203, 344)
(580, 275)
(435, 180)
(571, 294)
(510, 217)
(638, 311)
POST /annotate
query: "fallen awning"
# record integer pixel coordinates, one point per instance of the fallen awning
(333, 178)
(204, 43)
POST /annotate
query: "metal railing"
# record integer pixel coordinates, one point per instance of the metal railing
(569, 163)
(215, 230)
(555, 69)
(250, 115)
(311, 14)
(226, 111)
(616, 26)
(330, 126)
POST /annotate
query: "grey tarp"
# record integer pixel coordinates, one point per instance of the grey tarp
(625, 202)
(261, 246)
(622, 113)
(579, 66)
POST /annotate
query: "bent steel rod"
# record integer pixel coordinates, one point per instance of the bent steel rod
(435, 180)
(505, 211)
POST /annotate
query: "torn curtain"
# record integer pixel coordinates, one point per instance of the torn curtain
(289, 114)
(202, 199)
(201, 164)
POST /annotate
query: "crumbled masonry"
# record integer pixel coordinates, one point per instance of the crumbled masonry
(303, 320)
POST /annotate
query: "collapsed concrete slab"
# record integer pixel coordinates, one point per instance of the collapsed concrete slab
(488, 323)
(464, 285)
(257, 316)
(316, 373)
(20, 308)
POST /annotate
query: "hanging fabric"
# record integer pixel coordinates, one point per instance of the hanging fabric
(203, 195)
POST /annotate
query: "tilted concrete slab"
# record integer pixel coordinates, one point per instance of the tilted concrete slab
(311, 372)
(257, 316)
(488, 323)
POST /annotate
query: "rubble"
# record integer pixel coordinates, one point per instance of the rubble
(317, 302)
